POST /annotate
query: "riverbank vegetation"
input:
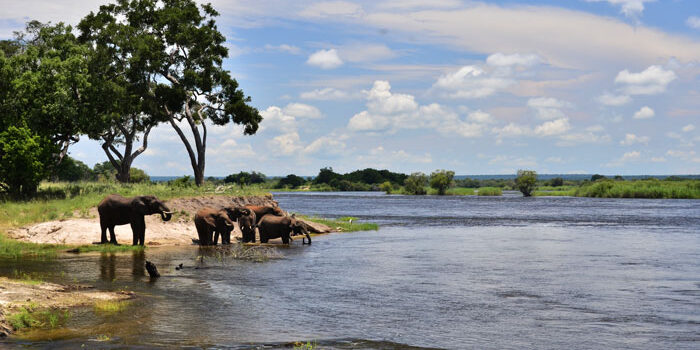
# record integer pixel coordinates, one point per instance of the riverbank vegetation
(345, 224)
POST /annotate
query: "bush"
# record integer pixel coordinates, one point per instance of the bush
(245, 178)
(556, 182)
(490, 191)
(73, 170)
(441, 180)
(386, 187)
(526, 181)
(182, 182)
(415, 183)
(137, 175)
(25, 160)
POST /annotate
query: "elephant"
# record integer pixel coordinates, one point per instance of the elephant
(272, 226)
(117, 210)
(246, 221)
(261, 211)
(210, 221)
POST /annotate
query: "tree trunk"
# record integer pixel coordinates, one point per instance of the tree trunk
(197, 160)
(122, 163)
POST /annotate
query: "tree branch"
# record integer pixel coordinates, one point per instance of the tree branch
(144, 145)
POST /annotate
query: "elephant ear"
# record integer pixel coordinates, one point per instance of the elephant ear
(245, 211)
(139, 206)
(210, 220)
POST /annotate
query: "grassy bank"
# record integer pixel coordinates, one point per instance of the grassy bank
(490, 191)
(688, 189)
(347, 224)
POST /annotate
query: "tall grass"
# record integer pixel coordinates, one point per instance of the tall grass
(29, 316)
(490, 191)
(346, 224)
(652, 188)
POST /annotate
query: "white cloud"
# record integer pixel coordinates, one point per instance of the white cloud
(553, 127)
(511, 130)
(418, 4)
(284, 48)
(629, 156)
(501, 60)
(693, 22)
(332, 9)
(614, 100)
(300, 110)
(286, 144)
(548, 108)
(651, 81)
(388, 111)
(275, 118)
(630, 8)
(361, 52)
(325, 59)
(557, 160)
(689, 128)
(658, 159)
(327, 145)
(631, 139)
(471, 82)
(325, 94)
(644, 113)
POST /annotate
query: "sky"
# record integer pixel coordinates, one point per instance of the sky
(578, 86)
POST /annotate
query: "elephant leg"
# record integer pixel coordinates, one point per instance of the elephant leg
(103, 236)
(112, 236)
(216, 237)
(138, 228)
(285, 239)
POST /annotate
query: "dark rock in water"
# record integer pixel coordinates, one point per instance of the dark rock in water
(178, 267)
(152, 269)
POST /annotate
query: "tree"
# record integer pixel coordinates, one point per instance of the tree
(291, 181)
(415, 183)
(556, 182)
(441, 180)
(326, 175)
(23, 156)
(386, 187)
(72, 170)
(597, 177)
(175, 53)
(526, 181)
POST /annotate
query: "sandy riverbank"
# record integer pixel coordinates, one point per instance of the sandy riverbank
(178, 231)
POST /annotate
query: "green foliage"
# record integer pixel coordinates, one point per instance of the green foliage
(326, 175)
(490, 191)
(468, 182)
(29, 316)
(111, 306)
(597, 177)
(182, 182)
(137, 175)
(460, 191)
(245, 178)
(386, 187)
(374, 176)
(526, 182)
(290, 181)
(441, 180)
(24, 157)
(73, 170)
(653, 188)
(555, 182)
(346, 224)
(415, 183)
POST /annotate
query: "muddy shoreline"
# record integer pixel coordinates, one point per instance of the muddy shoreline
(178, 231)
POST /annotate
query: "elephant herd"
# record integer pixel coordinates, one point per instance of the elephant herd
(271, 222)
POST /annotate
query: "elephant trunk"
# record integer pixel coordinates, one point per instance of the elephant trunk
(166, 215)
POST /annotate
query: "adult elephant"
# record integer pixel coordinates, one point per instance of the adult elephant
(272, 226)
(261, 211)
(246, 221)
(117, 210)
(210, 221)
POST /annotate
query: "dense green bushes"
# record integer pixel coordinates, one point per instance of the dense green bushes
(490, 191)
(652, 188)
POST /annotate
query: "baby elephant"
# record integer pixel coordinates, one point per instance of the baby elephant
(272, 226)
(210, 221)
(246, 221)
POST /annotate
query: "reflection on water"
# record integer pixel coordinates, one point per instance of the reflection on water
(455, 272)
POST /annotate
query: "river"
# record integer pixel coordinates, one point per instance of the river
(442, 272)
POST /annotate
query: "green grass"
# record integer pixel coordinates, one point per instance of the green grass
(459, 191)
(490, 191)
(106, 248)
(553, 193)
(653, 188)
(344, 223)
(305, 346)
(27, 278)
(30, 316)
(111, 306)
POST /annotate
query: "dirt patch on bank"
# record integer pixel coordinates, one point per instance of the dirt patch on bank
(16, 294)
(178, 231)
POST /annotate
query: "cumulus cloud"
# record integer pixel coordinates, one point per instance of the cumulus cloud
(553, 127)
(614, 100)
(286, 144)
(693, 22)
(547, 107)
(361, 52)
(389, 111)
(651, 81)
(300, 110)
(502, 60)
(630, 8)
(628, 156)
(326, 145)
(631, 139)
(471, 82)
(688, 128)
(644, 113)
(325, 59)
(275, 118)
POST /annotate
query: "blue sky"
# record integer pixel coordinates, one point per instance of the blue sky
(580, 86)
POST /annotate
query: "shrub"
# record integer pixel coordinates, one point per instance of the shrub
(24, 161)
(386, 187)
(526, 181)
(74, 170)
(291, 181)
(490, 191)
(415, 183)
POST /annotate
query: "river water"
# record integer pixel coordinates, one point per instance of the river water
(442, 272)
